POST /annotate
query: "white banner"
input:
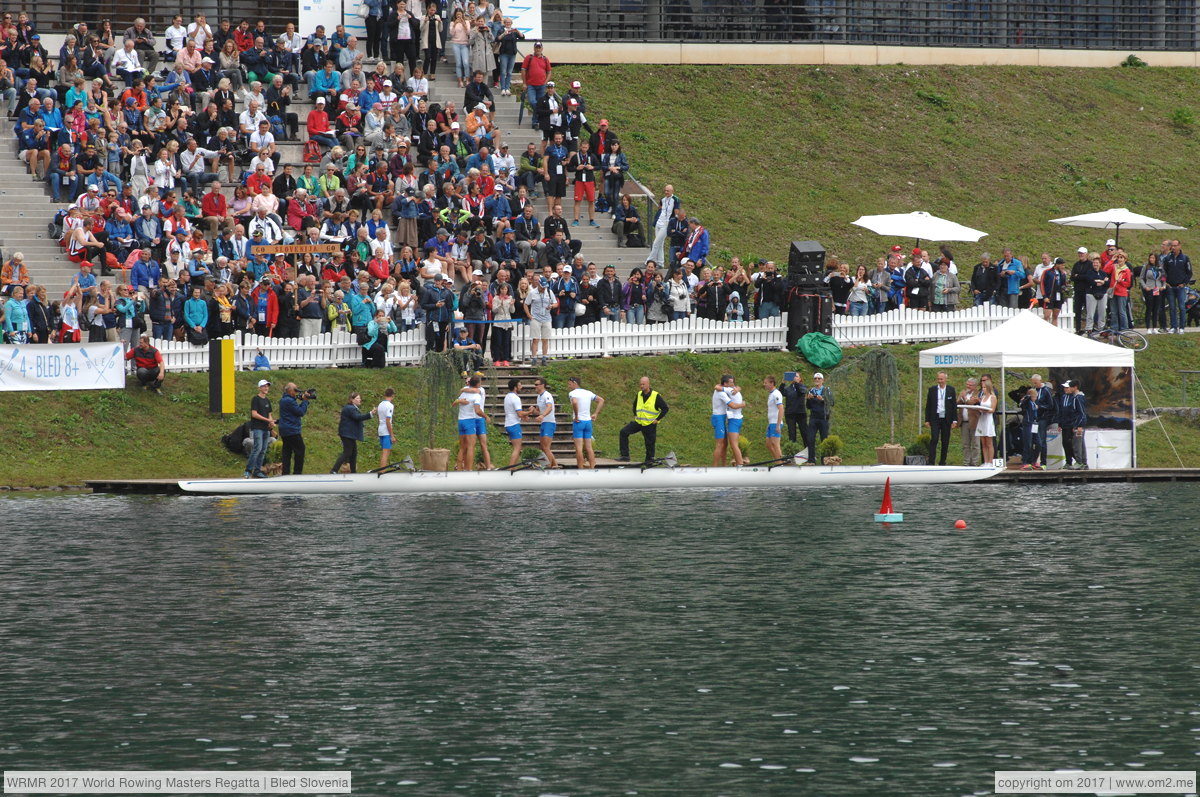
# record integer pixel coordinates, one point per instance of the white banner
(329, 13)
(527, 18)
(86, 366)
(1106, 448)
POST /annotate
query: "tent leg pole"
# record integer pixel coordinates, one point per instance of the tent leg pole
(1003, 429)
(1133, 412)
(920, 391)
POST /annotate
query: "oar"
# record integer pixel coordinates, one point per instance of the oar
(405, 464)
(670, 461)
(541, 462)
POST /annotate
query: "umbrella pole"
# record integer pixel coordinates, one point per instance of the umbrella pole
(1117, 237)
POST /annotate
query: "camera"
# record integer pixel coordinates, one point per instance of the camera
(309, 395)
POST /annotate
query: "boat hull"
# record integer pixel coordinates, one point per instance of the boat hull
(631, 478)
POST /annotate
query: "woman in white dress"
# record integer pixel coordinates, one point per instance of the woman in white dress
(986, 429)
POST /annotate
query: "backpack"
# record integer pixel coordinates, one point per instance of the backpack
(277, 127)
(233, 441)
(312, 152)
(602, 205)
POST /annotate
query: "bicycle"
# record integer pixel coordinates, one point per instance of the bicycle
(1125, 339)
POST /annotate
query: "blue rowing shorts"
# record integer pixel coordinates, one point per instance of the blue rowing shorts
(548, 428)
(718, 425)
(581, 430)
(385, 442)
(514, 431)
(466, 427)
(773, 430)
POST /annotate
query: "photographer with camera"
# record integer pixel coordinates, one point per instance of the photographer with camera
(292, 409)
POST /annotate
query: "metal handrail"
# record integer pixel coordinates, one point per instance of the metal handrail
(1059, 24)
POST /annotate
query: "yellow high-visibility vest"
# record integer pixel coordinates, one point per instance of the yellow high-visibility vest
(647, 409)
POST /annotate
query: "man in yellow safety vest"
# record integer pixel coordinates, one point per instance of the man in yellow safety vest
(648, 409)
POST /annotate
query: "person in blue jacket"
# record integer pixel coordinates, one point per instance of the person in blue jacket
(350, 430)
(195, 317)
(376, 343)
(1072, 421)
(292, 409)
(1011, 274)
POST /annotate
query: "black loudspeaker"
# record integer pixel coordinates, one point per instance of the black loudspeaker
(808, 311)
(806, 258)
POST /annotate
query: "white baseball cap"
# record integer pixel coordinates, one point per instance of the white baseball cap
(818, 375)
(1081, 250)
(263, 382)
(387, 82)
(1110, 242)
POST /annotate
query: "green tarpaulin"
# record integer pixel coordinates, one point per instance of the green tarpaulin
(820, 350)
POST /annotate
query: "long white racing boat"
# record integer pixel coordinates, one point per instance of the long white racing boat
(623, 478)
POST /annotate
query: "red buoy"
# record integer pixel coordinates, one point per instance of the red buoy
(886, 513)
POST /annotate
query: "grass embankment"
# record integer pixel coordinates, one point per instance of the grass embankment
(765, 155)
(63, 438)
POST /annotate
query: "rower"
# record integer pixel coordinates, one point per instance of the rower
(513, 414)
(720, 418)
(648, 409)
(581, 426)
(774, 417)
(470, 419)
(544, 415)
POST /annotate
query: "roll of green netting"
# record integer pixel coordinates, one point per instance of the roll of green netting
(820, 349)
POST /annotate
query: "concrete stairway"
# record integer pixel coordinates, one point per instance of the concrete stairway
(26, 208)
(562, 444)
(25, 211)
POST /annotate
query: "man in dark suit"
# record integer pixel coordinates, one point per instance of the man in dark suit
(941, 415)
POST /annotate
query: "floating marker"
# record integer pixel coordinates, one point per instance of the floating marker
(885, 513)
(960, 524)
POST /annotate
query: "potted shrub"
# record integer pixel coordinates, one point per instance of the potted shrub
(918, 450)
(440, 383)
(830, 450)
(881, 390)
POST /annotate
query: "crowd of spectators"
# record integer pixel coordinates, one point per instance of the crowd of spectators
(417, 213)
(1100, 287)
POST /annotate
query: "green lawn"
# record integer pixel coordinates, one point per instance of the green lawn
(67, 437)
(765, 155)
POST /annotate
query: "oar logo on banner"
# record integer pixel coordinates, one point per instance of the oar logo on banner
(7, 367)
(101, 365)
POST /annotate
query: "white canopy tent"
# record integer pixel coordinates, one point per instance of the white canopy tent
(1027, 341)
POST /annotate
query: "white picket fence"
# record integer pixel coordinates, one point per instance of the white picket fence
(608, 338)
(903, 325)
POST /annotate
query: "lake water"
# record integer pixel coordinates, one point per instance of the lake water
(664, 643)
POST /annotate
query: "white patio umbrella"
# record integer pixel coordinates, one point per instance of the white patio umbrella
(918, 225)
(1116, 218)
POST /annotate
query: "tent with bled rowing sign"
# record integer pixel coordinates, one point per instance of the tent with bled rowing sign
(1028, 344)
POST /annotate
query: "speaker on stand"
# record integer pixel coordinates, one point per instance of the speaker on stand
(809, 302)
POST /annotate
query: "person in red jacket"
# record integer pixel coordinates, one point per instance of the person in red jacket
(264, 305)
(215, 210)
(1122, 278)
(380, 268)
(535, 71)
(318, 127)
(243, 36)
(300, 207)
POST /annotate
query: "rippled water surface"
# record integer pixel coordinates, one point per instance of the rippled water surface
(698, 643)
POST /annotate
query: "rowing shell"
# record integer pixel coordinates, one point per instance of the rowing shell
(629, 478)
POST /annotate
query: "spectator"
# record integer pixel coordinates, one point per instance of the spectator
(149, 367)
(14, 274)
